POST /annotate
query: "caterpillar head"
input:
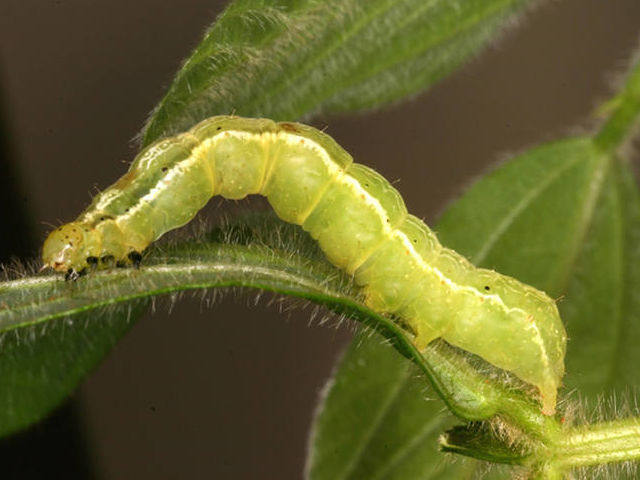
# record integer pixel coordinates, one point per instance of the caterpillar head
(67, 247)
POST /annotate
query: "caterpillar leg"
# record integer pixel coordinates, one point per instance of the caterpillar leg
(72, 275)
(93, 263)
(107, 261)
(135, 258)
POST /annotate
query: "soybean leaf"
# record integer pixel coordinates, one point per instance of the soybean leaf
(377, 422)
(602, 307)
(41, 364)
(288, 59)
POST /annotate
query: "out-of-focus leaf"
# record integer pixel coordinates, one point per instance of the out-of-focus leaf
(379, 421)
(601, 306)
(41, 364)
(287, 59)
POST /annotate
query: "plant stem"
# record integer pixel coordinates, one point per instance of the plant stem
(600, 443)
(624, 111)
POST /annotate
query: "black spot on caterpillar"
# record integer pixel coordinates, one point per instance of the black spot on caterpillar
(358, 218)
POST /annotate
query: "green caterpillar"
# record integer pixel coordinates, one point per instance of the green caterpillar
(359, 220)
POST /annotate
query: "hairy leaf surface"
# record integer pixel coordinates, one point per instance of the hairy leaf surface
(288, 59)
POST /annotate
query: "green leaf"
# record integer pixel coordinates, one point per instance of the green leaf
(287, 59)
(602, 306)
(41, 364)
(376, 421)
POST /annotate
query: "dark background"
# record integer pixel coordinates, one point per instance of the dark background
(229, 391)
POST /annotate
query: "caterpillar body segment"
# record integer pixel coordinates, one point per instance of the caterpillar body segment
(359, 220)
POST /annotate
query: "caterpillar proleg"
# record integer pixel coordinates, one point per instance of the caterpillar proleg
(359, 220)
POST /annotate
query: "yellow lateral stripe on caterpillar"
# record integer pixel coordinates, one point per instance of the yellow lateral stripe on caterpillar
(359, 220)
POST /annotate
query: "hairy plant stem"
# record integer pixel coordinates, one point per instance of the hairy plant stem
(600, 443)
(624, 111)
